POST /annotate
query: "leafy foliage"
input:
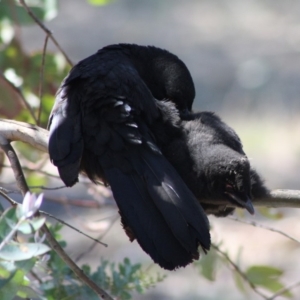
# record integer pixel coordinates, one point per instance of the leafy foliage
(23, 69)
(119, 281)
(18, 258)
(208, 265)
(267, 277)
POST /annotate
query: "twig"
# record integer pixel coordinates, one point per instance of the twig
(280, 198)
(284, 290)
(276, 198)
(252, 223)
(101, 236)
(72, 265)
(15, 164)
(14, 203)
(6, 191)
(75, 202)
(72, 227)
(33, 170)
(238, 270)
(21, 182)
(46, 30)
(42, 79)
(47, 188)
(21, 96)
(10, 200)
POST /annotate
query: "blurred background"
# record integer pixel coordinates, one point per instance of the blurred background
(244, 57)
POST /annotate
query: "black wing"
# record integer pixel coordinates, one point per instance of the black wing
(102, 120)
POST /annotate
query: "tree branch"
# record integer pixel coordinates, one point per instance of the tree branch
(255, 224)
(22, 184)
(284, 290)
(238, 270)
(33, 135)
(38, 137)
(46, 30)
(280, 198)
(15, 164)
(20, 95)
(42, 80)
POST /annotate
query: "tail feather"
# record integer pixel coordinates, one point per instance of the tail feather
(145, 220)
(182, 211)
(163, 214)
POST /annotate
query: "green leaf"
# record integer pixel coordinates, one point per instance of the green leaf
(4, 272)
(26, 292)
(260, 274)
(6, 279)
(8, 291)
(36, 180)
(7, 221)
(17, 283)
(44, 10)
(99, 2)
(13, 279)
(30, 226)
(25, 265)
(37, 222)
(267, 277)
(271, 213)
(207, 265)
(239, 281)
(14, 251)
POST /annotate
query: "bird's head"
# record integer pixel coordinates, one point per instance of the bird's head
(230, 178)
(237, 187)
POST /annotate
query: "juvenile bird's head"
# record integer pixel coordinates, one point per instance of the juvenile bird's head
(238, 184)
(229, 175)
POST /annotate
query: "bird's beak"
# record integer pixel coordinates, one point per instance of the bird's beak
(246, 203)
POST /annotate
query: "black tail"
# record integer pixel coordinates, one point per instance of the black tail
(160, 210)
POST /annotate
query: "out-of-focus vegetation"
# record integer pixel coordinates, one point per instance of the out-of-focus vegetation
(28, 83)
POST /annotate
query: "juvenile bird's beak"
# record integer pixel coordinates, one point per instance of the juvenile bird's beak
(249, 206)
(246, 203)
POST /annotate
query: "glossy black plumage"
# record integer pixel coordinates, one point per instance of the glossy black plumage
(107, 123)
(210, 159)
(160, 159)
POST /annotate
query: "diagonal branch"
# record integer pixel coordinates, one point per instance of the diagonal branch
(284, 290)
(20, 95)
(22, 184)
(238, 270)
(15, 164)
(41, 80)
(255, 224)
(46, 30)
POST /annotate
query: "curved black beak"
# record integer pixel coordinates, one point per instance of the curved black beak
(246, 203)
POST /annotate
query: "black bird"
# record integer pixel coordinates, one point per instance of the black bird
(210, 159)
(107, 122)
